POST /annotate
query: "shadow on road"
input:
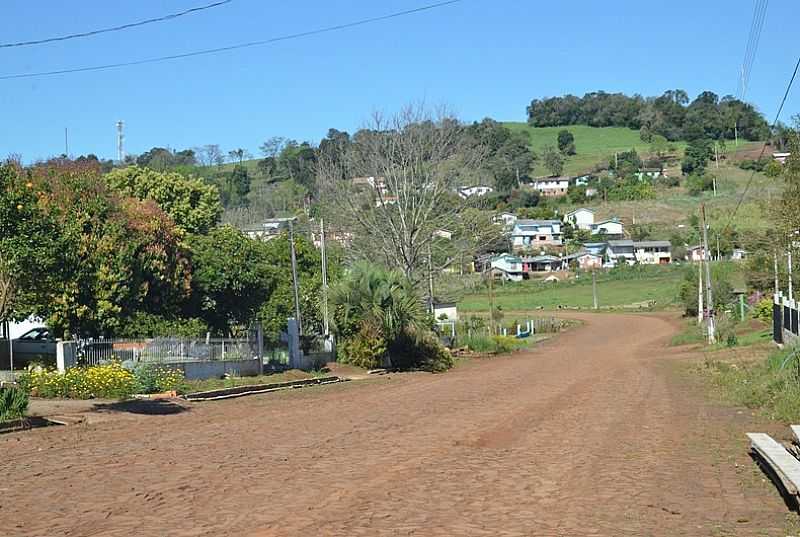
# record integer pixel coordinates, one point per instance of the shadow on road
(150, 407)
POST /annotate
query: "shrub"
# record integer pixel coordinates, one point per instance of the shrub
(499, 344)
(13, 402)
(420, 350)
(366, 348)
(154, 378)
(107, 381)
(763, 310)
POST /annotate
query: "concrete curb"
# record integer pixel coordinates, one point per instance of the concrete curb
(241, 391)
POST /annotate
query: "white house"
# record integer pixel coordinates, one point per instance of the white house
(446, 309)
(552, 187)
(653, 252)
(268, 229)
(619, 251)
(612, 227)
(582, 218)
(477, 190)
(532, 233)
(507, 267)
(582, 180)
(739, 254)
(695, 253)
(505, 218)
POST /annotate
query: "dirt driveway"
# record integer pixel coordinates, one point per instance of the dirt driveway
(591, 433)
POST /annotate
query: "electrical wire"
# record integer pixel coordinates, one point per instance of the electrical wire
(114, 28)
(753, 39)
(263, 42)
(764, 147)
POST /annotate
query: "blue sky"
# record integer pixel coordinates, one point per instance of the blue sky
(479, 57)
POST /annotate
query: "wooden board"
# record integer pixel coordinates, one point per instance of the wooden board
(782, 463)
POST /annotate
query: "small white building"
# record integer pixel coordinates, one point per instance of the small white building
(582, 218)
(268, 229)
(446, 309)
(653, 252)
(695, 253)
(506, 219)
(612, 227)
(507, 267)
(477, 190)
(739, 254)
(552, 187)
(781, 156)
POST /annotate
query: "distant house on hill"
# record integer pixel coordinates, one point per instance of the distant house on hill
(621, 251)
(695, 253)
(611, 228)
(541, 263)
(266, 229)
(653, 252)
(506, 267)
(477, 190)
(582, 218)
(535, 233)
(552, 187)
(505, 218)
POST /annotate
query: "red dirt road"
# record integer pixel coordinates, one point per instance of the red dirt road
(591, 433)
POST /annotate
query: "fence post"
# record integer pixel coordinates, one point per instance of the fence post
(65, 355)
(293, 339)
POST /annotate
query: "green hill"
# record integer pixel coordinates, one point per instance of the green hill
(594, 145)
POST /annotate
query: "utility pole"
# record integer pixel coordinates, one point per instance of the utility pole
(66, 142)
(709, 296)
(594, 288)
(120, 142)
(700, 309)
(716, 154)
(325, 325)
(491, 300)
(294, 279)
(430, 279)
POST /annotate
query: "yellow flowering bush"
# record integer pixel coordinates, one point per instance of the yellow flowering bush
(110, 381)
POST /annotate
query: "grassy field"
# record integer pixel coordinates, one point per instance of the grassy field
(659, 284)
(593, 145)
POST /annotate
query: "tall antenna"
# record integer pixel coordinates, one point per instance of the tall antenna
(120, 140)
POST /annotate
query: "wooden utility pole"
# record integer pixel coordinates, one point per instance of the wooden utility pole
(294, 279)
(325, 323)
(594, 288)
(709, 295)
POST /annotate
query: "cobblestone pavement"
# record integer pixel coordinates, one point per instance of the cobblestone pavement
(590, 433)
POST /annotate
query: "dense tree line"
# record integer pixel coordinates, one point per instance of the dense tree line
(670, 115)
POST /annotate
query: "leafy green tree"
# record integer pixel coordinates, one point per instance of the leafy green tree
(696, 156)
(566, 142)
(553, 160)
(30, 246)
(232, 278)
(194, 205)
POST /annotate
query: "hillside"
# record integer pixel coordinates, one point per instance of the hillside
(595, 145)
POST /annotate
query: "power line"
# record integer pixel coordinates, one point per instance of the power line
(754, 36)
(234, 47)
(764, 147)
(114, 28)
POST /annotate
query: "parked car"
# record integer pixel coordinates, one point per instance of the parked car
(35, 345)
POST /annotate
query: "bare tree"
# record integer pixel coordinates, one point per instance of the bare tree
(273, 146)
(209, 154)
(239, 155)
(393, 187)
